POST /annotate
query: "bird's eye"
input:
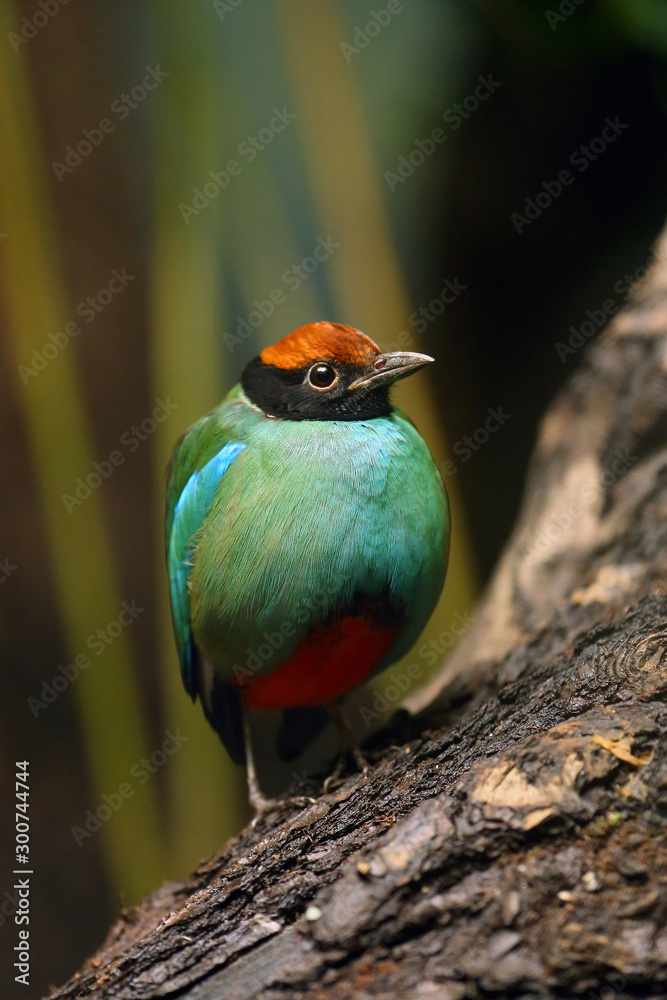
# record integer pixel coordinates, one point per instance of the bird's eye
(322, 376)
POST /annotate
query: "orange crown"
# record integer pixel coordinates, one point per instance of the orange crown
(316, 341)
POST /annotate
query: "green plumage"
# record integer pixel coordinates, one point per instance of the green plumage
(308, 515)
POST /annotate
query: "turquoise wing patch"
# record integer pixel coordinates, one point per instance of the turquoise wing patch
(192, 507)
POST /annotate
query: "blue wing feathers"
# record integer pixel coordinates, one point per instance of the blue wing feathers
(200, 488)
(191, 508)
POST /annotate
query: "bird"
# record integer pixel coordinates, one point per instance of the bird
(307, 538)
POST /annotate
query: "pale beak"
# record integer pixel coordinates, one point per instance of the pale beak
(390, 368)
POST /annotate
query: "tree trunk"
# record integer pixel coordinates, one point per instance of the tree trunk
(509, 838)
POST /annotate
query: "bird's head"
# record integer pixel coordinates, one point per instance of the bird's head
(326, 371)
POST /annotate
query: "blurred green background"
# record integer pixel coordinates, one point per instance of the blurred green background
(164, 169)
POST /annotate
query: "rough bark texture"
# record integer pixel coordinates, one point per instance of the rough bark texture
(509, 839)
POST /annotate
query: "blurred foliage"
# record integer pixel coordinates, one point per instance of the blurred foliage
(205, 803)
(80, 550)
(361, 98)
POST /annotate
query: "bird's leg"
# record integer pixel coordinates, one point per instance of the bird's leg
(257, 799)
(348, 744)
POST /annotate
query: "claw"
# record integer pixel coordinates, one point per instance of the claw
(335, 778)
(258, 800)
(360, 761)
(348, 744)
(264, 806)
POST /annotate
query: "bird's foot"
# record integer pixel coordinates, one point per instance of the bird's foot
(360, 760)
(335, 779)
(348, 745)
(259, 802)
(263, 805)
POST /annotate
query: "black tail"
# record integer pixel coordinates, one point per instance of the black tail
(226, 717)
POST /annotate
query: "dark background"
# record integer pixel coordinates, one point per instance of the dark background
(451, 218)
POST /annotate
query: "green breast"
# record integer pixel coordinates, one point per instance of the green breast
(310, 514)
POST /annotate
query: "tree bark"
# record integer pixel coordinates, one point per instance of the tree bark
(509, 838)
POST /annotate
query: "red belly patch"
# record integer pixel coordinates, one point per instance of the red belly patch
(334, 658)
